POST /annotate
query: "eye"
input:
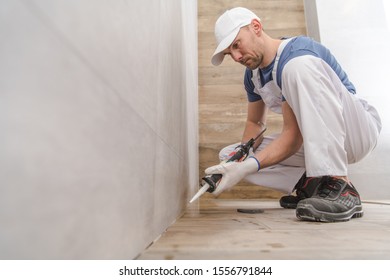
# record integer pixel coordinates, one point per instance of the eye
(236, 45)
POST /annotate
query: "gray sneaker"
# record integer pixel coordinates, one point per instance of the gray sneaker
(334, 201)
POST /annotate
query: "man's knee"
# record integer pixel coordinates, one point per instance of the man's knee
(224, 154)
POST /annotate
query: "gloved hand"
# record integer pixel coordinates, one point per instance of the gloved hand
(232, 173)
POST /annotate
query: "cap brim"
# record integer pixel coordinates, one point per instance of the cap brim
(218, 56)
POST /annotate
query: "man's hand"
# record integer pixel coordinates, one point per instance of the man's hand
(236, 149)
(232, 173)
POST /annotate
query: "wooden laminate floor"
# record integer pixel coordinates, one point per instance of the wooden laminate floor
(213, 229)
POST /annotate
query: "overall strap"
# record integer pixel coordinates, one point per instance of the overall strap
(279, 52)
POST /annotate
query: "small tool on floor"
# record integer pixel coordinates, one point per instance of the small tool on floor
(211, 181)
(250, 211)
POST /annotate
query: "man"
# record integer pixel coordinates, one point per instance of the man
(325, 126)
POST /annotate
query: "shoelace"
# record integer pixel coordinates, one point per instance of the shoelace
(330, 185)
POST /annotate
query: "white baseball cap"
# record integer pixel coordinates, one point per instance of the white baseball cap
(226, 29)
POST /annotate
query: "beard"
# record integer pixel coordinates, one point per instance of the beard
(252, 62)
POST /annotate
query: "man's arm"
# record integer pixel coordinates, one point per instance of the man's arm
(288, 142)
(256, 122)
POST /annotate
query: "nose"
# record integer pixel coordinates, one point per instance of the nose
(236, 55)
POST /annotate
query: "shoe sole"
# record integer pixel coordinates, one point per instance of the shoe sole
(288, 205)
(309, 213)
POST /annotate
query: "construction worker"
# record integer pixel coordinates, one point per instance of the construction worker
(325, 125)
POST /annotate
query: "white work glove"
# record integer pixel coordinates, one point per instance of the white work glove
(232, 173)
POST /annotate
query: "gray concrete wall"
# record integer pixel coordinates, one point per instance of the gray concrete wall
(98, 122)
(357, 33)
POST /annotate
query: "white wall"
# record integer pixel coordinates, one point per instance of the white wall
(357, 33)
(98, 121)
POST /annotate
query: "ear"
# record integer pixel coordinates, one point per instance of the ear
(257, 26)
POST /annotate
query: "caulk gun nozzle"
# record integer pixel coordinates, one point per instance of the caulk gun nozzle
(201, 191)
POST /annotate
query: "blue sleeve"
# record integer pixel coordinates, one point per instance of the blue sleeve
(250, 87)
(301, 46)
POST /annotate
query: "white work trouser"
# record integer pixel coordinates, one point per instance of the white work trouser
(282, 176)
(337, 127)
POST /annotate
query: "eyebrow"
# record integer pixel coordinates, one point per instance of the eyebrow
(228, 52)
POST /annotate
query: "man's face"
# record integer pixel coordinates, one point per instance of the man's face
(245, 49)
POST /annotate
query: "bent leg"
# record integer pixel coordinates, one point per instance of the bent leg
(337, 127)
